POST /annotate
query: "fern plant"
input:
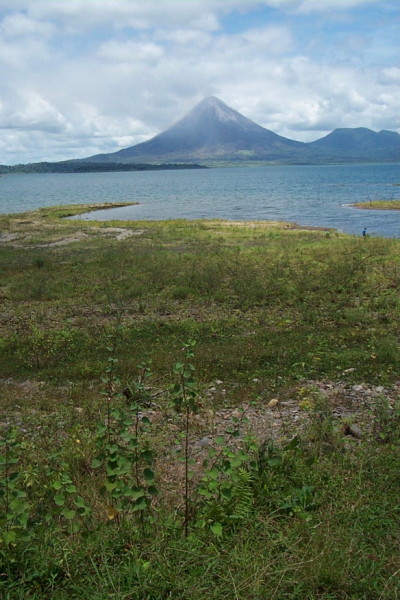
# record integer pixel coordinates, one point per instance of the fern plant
(226, 490)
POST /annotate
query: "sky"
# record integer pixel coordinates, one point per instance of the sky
(81, 77)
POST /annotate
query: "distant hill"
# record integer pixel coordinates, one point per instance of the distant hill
(214, 132)
(360, 143)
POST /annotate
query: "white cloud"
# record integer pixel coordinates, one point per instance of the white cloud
(88, 14)
(130, 52)
(274, 40)
(36, 113)
(19, 25)
(329, 5)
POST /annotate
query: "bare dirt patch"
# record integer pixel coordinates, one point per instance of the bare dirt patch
(23, 239)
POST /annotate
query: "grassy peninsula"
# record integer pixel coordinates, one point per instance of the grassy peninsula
(379, 205)
(197, 409)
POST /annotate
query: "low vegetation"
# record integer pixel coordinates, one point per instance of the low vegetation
(199, 409)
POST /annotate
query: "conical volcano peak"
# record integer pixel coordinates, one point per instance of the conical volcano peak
(217, 108)
(211, 101)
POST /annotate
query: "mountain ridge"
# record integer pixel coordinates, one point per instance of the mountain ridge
(350, 141)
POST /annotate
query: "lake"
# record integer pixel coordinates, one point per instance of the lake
(308, 195)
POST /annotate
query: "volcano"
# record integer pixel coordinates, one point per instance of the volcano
(211, 131)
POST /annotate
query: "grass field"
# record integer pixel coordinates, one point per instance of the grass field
(138, 360)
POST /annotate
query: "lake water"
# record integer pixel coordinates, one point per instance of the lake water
(308, 195)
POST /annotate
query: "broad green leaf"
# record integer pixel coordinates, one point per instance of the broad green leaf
(112, 448)
(133, 443)
(117, 493)
(212, 474)
(205, 492)
(216, 528)
(112, 467)
(68, 513)
(23, 520)
(18, 506)
(9, 537)
(110, 485)
(226, 492)
(59, 499)
(148, 475)
(135, 493)
(125, 465)
(242, 455)
(147, 456)
(140, 504)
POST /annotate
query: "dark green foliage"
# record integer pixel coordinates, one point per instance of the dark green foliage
(125, 460)
(14, 505)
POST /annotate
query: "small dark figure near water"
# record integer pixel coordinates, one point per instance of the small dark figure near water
(364, 232)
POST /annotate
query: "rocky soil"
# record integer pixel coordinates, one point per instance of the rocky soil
(354, 408)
